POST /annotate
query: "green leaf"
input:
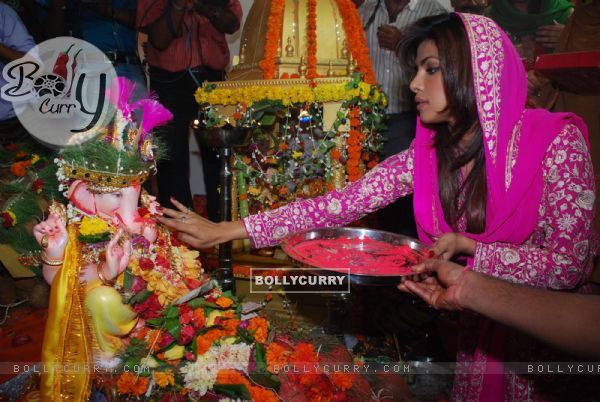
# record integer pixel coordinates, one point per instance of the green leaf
(156, 322)
(267, 120)
(233, 390)
(140, 297)
(172, 312)
(173, 326)
(127, 280)
(200, 302)
(245, 335)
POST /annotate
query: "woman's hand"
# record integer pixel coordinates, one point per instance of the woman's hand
(52, 235)
(199, 232)
(442, 288)
(451, 244)
(117, 257)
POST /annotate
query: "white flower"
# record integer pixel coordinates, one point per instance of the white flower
(566, 223)
(280, 232)
(561, 156)
(201, 375)
(509, 257)
(586, 200)
(334, 207)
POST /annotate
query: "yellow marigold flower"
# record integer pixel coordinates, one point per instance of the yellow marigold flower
(34, 158)
(296, 154)
(254, 191)
(163, 378)
(92, 226)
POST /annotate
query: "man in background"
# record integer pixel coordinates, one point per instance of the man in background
(15, 41)
(187, 46)
(383, 22)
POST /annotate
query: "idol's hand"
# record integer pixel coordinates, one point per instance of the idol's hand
(117, 257)
(197, 231)
(442, 288)
(52, 235)
(451, 244)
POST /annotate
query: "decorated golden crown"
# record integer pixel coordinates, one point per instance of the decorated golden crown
(122, 154)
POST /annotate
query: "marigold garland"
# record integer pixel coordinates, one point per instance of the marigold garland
(273, 36)
(291, 94)
(311, 39)
(356, 39)
(354, 143)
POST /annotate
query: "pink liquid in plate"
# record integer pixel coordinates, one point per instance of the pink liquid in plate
(362, 256)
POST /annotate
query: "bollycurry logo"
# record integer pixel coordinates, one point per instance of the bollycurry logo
(58, 90)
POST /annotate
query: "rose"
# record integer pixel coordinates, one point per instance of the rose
(186, 335)
(146, 264)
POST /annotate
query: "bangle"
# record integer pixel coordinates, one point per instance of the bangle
(102, 277)
(52, 263)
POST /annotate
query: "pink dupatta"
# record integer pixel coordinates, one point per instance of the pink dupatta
(516, 141)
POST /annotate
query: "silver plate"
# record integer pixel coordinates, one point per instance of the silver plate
(293, 240)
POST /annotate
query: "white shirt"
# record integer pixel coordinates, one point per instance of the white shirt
(385, 62)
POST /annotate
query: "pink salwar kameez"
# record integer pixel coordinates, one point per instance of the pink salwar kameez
(539, 215)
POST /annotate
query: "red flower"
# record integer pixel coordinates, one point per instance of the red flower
(189, 356)
(37, 185)
(186, 314)
(148, 309)
(146, 264)
(186, 335)
(175, 241)
(162, 261)
(192, 283)
(8, 221)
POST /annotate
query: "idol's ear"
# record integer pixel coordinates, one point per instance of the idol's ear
(82, 197)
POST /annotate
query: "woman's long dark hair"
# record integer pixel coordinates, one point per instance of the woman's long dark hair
(448, 33)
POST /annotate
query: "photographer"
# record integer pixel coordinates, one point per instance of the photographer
(187, 46)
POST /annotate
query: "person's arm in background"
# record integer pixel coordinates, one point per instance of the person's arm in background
(161, 20)
(566, 320)
(15, 41)
(226, 19)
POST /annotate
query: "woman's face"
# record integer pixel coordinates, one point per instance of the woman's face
(428, 86)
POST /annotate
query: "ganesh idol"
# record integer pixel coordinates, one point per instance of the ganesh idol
(104, 242)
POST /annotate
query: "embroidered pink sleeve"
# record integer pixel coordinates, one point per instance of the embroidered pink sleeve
(391, 179)
(557, 256)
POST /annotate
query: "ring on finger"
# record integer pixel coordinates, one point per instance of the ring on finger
(183, 218)
(44, 241)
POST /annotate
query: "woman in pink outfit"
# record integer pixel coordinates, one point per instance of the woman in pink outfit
(510, 188)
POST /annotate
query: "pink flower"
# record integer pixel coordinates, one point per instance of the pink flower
(166, 340)
(138, 284)
(186, 335)
(190, 356)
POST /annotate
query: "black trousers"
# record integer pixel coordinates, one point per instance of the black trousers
(399, 217)
(176, 92)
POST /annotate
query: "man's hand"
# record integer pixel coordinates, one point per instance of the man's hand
(549, 35)
(388, 37)
(442, 289)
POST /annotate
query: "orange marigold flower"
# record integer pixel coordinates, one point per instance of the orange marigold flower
(154, 338)
(262, 394)
(276, 355)
(129, 384)
(335, 154)
(342, 380)
(230, 326)
(230, 376)
(224, 302)
(163, 378)
(203, 344)
(259, 328)
(304, 353)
